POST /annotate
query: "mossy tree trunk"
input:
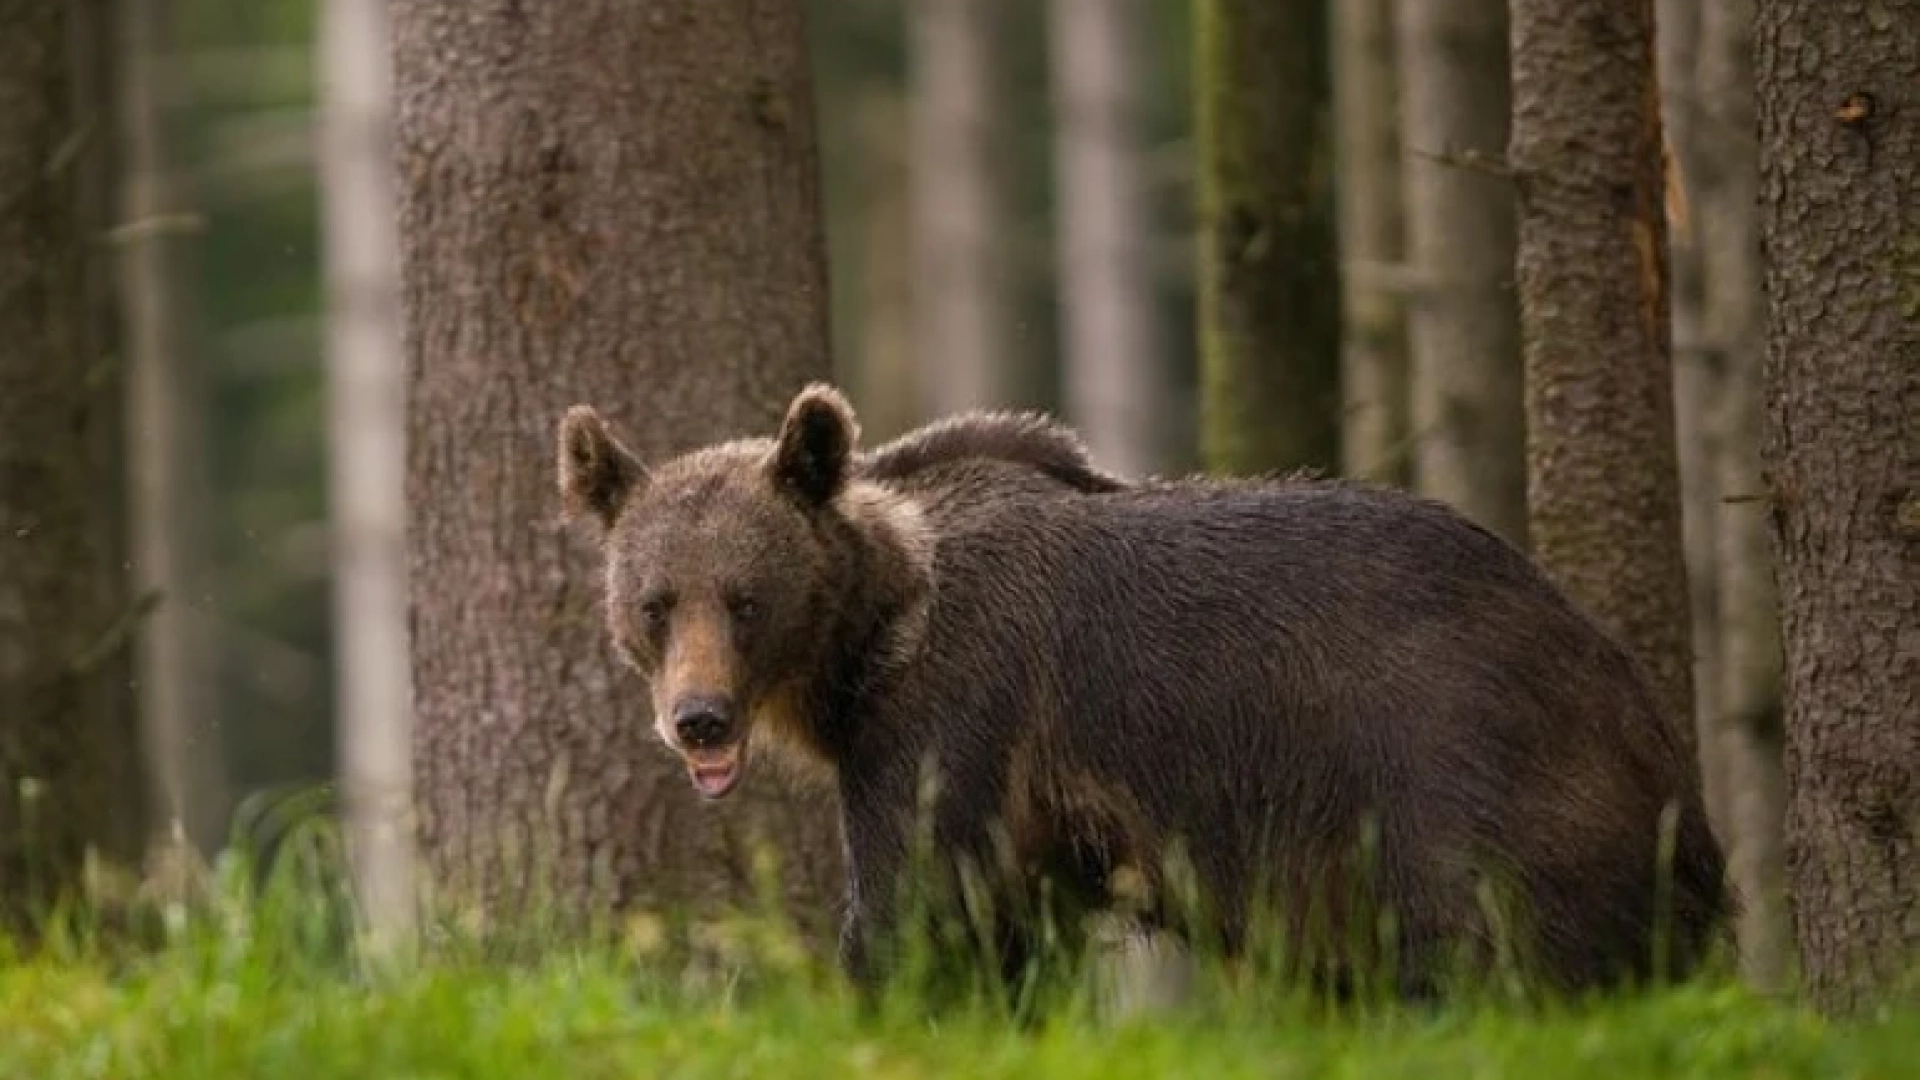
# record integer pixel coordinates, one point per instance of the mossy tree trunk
(1602, 480)
(1839, 132)
(617, 203)
(69, 772)
(1270, 292)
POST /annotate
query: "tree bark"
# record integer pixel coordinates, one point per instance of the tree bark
(1114, 357)
(1602, 484)
(1697, 388)
(175, 665)
(69, 769)
(367, 459)
(1269, 287)
(1468, 418)
(962, 295)
(603, 202)
(1839, 147)
(1744, 732)
(1373, 371)
(1699, 384)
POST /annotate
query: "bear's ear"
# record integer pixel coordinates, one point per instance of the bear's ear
(816, 444)
(596, 472)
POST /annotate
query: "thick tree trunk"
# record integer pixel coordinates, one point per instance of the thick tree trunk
(1839, 123)
(1468, 420)
(175, 666)
(367, 458)
(1373, 374)
(605, 202)
(1114, 357)
(1602, 481)
(68, 767)
(1270, 335)
(962, 281)
(1745, 730)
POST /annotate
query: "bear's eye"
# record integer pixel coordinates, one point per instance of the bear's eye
(742, 607)
(654, 610)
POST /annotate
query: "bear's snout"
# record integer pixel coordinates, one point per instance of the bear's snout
(703, 721)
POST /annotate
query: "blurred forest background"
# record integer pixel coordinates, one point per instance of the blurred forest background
(1017, 200)
(236, 88)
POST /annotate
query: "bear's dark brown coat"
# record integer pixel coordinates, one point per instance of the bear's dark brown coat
(1247, 674)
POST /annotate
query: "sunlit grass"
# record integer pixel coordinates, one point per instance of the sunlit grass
(584, 1015)
(259, 980)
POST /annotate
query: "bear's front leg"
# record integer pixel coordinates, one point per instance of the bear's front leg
(855, 957)
(875, 858)
(875, 929)
(896, 901)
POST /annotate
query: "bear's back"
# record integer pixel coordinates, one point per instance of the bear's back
(1312, 584)
(1397, 646)
(956, 449)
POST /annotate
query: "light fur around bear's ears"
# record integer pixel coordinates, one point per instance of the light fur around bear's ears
(595, 472)
(813, 452)
(814, 457)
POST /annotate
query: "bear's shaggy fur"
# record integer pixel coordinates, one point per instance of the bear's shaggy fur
(1287, 694)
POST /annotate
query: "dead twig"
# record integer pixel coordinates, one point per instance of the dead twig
(114, 636)
(1471, 160)
(157, 225)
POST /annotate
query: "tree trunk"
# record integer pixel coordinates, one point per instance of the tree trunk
(367, 457)
(1468, 418)
(1602, 483)
(1114, 356)
(69, 775)
(1269, 273)
(1746, 729)
(1839, 148)
(603, 202)
(888, 354)
(1373, 372)
(963, 291)
(1696, 392)
(175, 667)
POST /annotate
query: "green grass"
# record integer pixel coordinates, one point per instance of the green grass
(590, 1016)
(259, 985)
(259, 1003)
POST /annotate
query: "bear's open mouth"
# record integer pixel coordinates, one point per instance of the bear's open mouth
(714, 770)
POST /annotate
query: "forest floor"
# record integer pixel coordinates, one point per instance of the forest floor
(258, 980)
(245, 1000)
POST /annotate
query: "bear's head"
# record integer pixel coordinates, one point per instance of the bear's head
(745, 580)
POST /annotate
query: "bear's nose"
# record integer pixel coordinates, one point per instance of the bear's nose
(702, 721)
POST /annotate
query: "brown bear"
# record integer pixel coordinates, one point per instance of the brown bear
(1241, 695)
